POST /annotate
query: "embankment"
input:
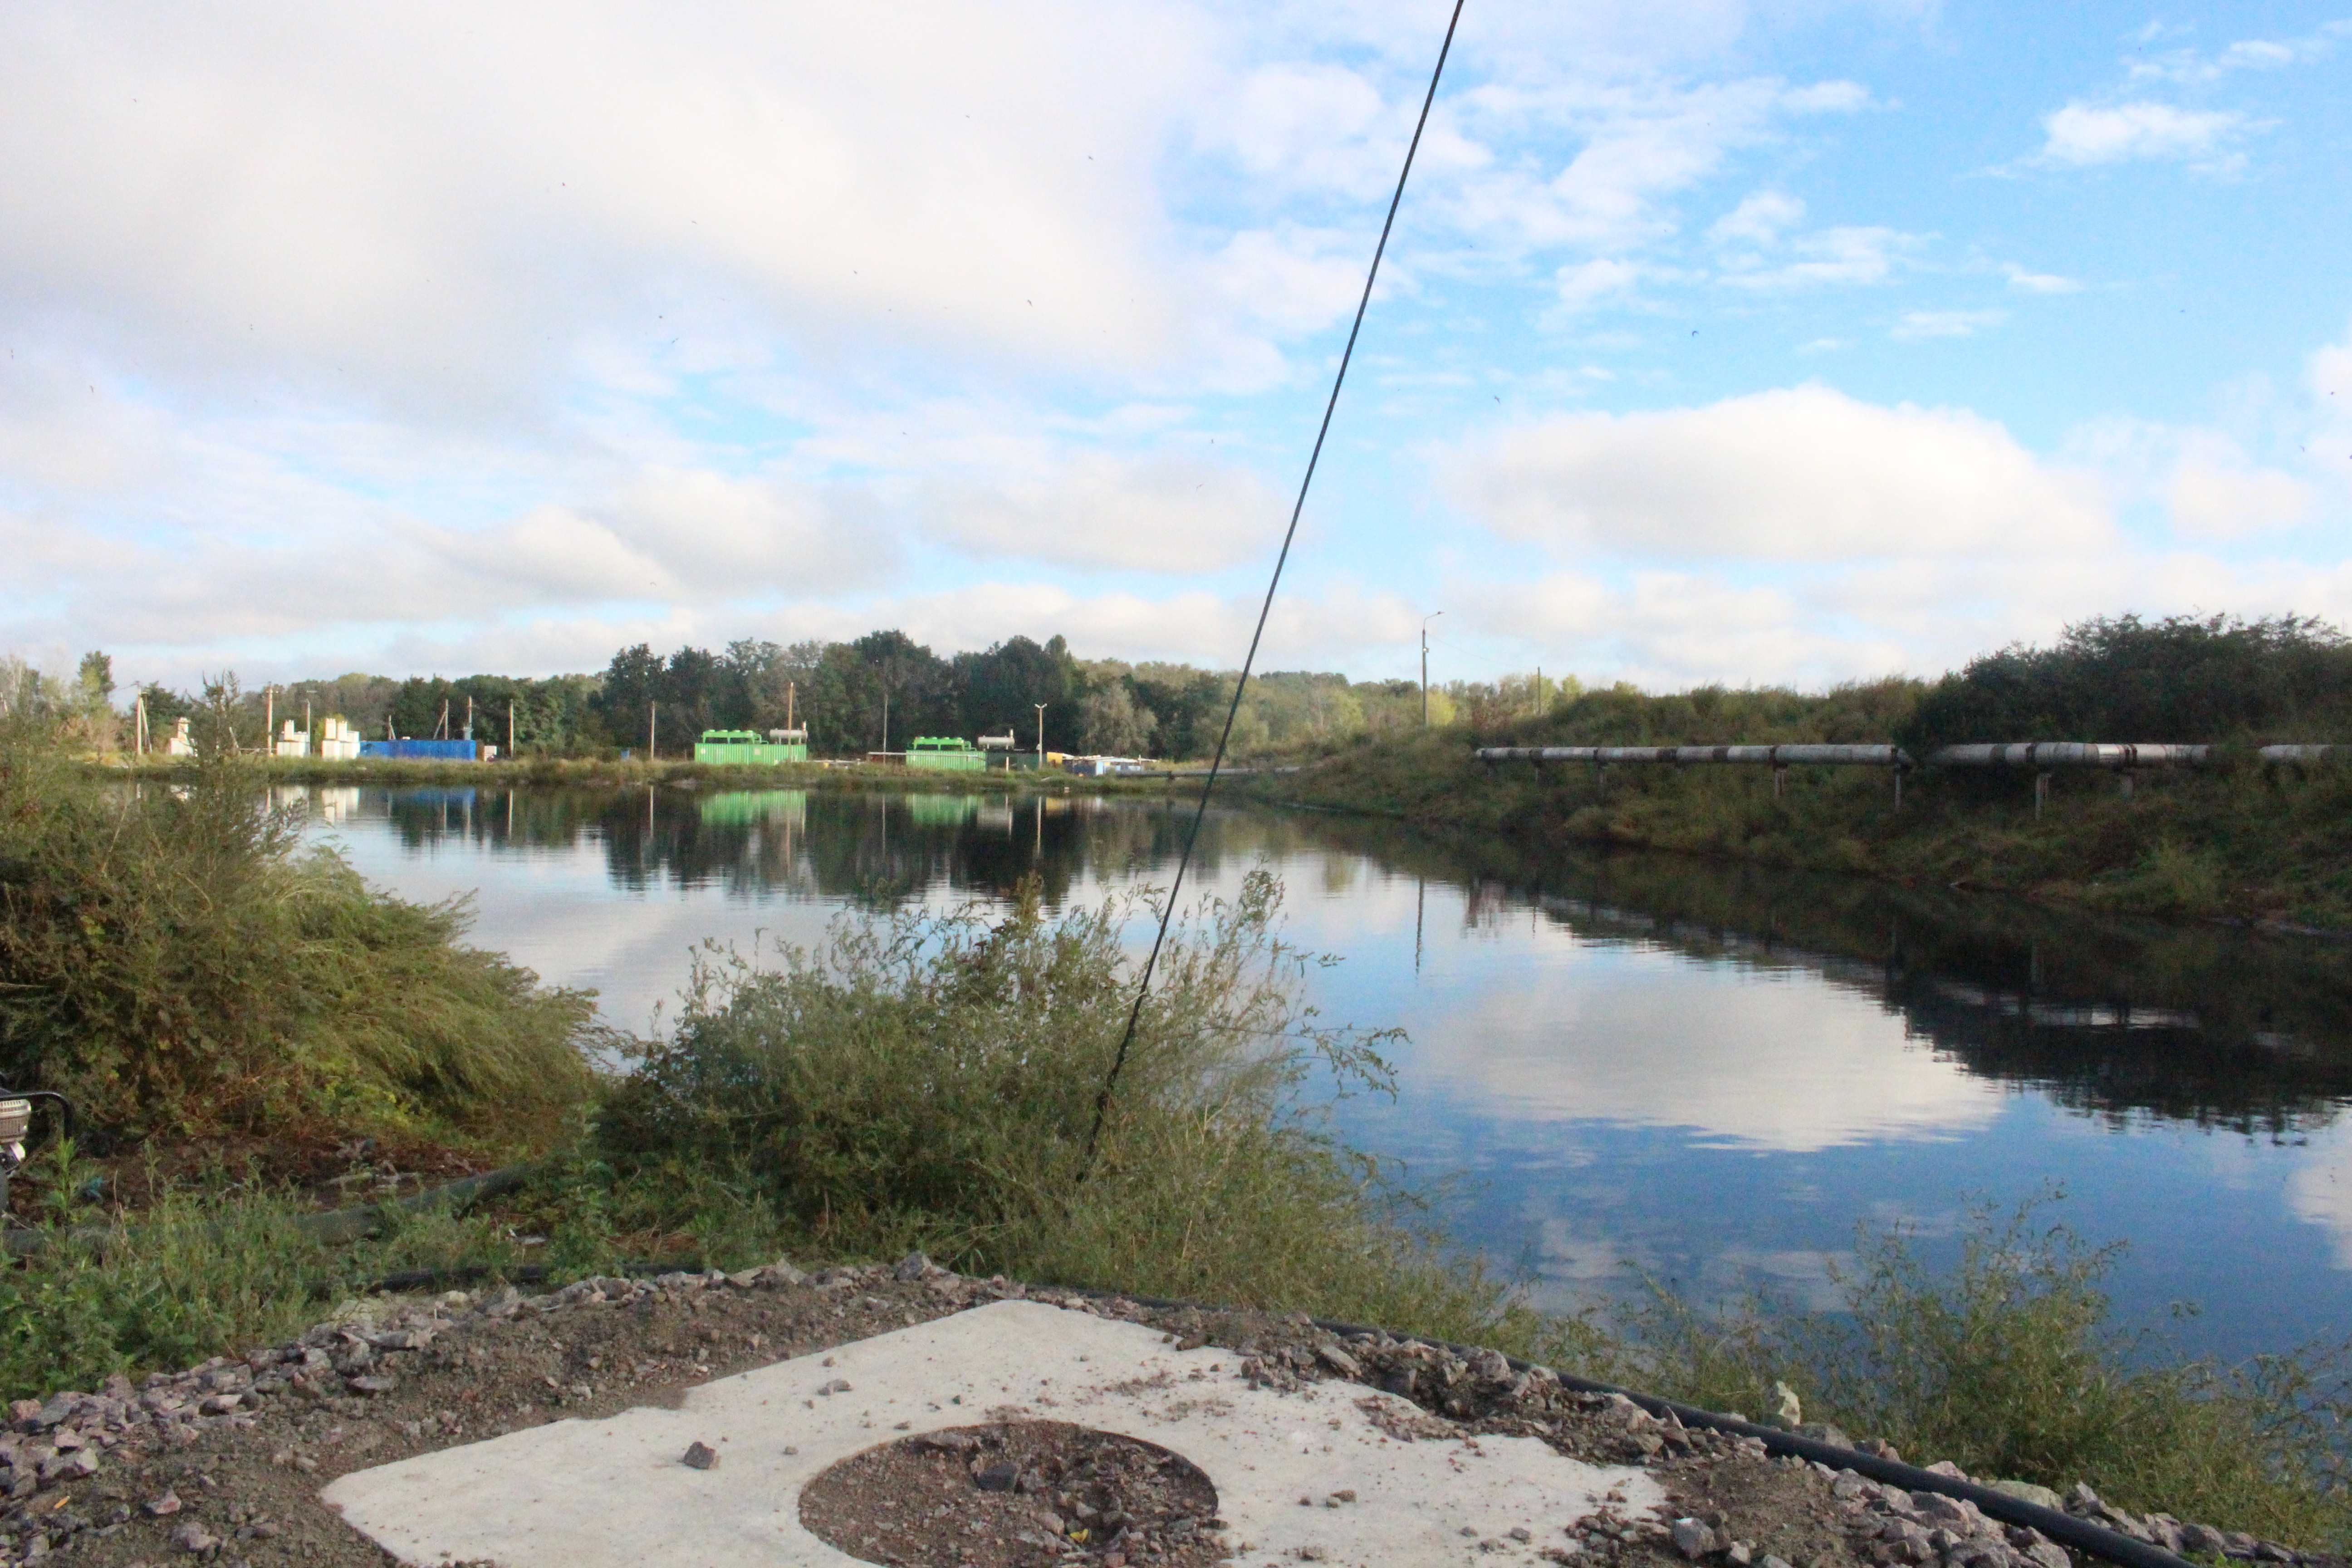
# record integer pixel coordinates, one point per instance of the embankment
(2235, 841)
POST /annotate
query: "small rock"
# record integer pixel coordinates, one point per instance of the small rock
(2047, 1554)
(700, 1456)
(1769, 1561)
(1519, 1533)
(1000, 1477)
(2026, 1492)
(1339, 1360)
(782, 1272)
(914, 1266)
(1739, 1551)
(163, 1507)
(194, 1537)
(838, 1386)
(1692, 1538)
(1945, 1467)
(1787, 1410)
(372, 1385)
(2201, 1538)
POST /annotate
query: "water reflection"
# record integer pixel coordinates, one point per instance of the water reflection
(2113, 1018)
(1714, 1070)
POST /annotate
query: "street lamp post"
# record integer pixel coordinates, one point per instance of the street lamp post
(1425, 665)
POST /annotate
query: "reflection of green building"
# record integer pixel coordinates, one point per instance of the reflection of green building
(749, 746)
(941, 810)
(951, 753)
(748, 807)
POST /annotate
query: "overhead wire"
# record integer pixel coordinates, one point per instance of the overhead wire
(1249, 661)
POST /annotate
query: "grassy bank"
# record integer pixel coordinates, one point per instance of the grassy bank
(2236, 839)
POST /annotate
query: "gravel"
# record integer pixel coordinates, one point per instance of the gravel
(223, 1463)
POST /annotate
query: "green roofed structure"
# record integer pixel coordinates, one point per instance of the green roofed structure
(947, 752)
(742, 747)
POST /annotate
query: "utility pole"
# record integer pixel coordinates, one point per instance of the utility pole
(269, 721)
(653, 731)
(791, 691)
(469, 716)
(1425, 665)
(510, 732)
(1040, 735)
(886, 721)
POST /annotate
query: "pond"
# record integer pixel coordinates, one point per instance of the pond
(1616, 1062)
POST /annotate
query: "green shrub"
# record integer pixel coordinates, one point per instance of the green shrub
(930, 1080)
(2182, 678)
(176, 965)
(2009, 1366)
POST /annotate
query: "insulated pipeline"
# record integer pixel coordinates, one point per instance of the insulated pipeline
(1764, 756)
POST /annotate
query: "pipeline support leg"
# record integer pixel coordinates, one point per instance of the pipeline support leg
(1898, 789)
(2040, 794)
(2127, 783)
(1780, 777)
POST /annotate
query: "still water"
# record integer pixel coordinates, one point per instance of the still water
(1615, 1062)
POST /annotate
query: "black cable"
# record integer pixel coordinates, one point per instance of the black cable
(1216, 762)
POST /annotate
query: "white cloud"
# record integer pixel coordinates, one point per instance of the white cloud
(1642, 142)
(2215, 493)
(1584, 285)
(1759, 219)
(1918, 325)
(1160, 512)
(2080, 134)
(443, 200)
(2247, 54)
(1826, 258)
(1802, 474)
(2038, 282)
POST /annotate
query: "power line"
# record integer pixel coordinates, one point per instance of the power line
(1216, 762)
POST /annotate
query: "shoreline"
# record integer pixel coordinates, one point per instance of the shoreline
(2265, 847)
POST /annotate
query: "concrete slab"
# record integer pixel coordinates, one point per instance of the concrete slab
(614, 1493)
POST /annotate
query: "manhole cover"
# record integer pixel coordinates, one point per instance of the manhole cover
(1016, 1494)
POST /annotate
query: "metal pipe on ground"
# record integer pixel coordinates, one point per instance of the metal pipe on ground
(1764, 756)
(2046, 754)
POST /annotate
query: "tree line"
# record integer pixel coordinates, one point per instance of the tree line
(874, 694)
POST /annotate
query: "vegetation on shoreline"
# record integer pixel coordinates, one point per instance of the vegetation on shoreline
(2237, 839)
(179, 967)
(929, 1081)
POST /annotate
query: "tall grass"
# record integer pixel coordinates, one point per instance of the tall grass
(214, 1267)
(2009, 1366)
(178, 965)
(931, 1080)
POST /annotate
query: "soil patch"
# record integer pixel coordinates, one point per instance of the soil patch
(1016, 1494)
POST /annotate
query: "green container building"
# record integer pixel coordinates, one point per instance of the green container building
(946, 752)
(738, 747)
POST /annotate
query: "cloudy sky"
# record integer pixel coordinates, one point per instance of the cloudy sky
(1720, 341)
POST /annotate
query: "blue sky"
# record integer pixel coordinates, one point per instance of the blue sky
(1720, 341)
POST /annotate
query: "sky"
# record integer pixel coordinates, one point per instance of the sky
(1718, 341)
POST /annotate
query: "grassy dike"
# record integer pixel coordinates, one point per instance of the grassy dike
(922, 1082)
(2237, 840)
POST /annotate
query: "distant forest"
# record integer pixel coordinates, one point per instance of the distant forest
(841, 691)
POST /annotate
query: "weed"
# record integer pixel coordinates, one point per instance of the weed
(175, 962)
